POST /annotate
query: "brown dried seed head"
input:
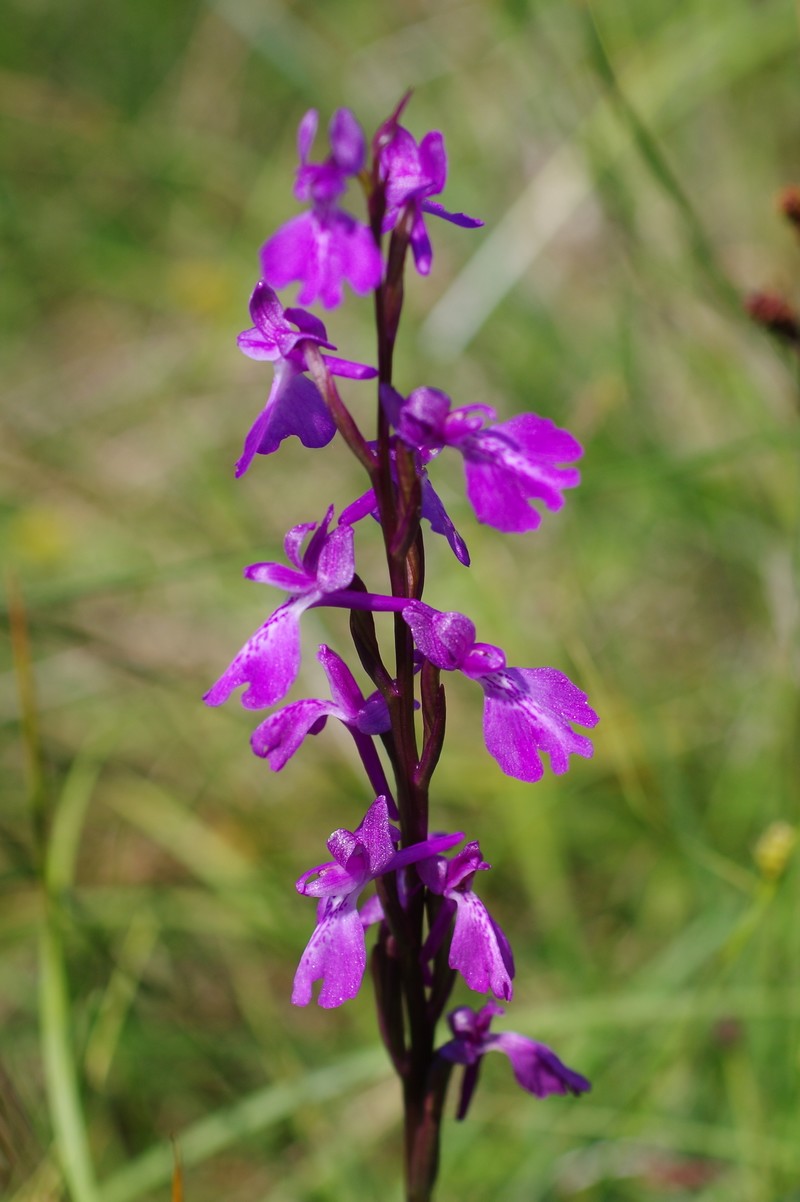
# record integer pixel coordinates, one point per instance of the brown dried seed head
(774, 314)
(789, 204)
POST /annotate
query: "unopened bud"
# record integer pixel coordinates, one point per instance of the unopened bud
(774, 848)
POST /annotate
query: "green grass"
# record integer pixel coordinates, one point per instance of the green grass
(625, 157)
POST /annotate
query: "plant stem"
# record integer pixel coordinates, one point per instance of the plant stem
(399, 499)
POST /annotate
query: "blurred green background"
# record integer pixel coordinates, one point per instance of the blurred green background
(625, 156)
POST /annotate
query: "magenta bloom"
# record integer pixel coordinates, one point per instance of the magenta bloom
(506, 466)
(414, 172)
(479, 949)
(294, 405)
(326, 246)
(536, 1067)
(270, 660)
(336, 952)
(526, 710)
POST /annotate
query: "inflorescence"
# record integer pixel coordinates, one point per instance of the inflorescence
(431, 923)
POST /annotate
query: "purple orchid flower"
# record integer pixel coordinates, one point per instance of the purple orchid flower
(526, 710)
(414, 172)
(506, 466)
(479, 949)
(336, 952)
(295, 405)
(270, 660)
(536, 1068)
(326, 246)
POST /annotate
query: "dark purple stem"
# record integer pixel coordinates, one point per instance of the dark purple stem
(399, 509)
(407, 1008)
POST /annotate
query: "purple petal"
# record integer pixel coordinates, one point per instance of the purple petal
(373, 717)
(309, 560)
(347, 142)
(433, 162)
(515, 462)
(468, 1084)
(329, 879)
(272, 336)
(392, 402)
(443, 638)
(253, 344)
(268, 663)
(528, 710)
(256, 435)
(375, 833)
(270, 319)
(322, 250)
(420, 419)
(421, 851)
(293, 540)
(279, 736)
(472, 1025)
(348, 849)
(371, 912)
(437, 210)
(401, 167)
(481, 659)
(421, 246)
(358, 509)
(291, 254)
(348, 369)
(464, 865)
(336, 953)
(351, 255)
(434, 873)
(434, 512)
(309, 326)
(294, 407)
(539, 438)
(536, 1067)
(346, 694)
(277, 575)
(336, 560)
(479, 949)
(370, 716)
(306, 132)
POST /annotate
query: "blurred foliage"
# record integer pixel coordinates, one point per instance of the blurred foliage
(625, 155)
